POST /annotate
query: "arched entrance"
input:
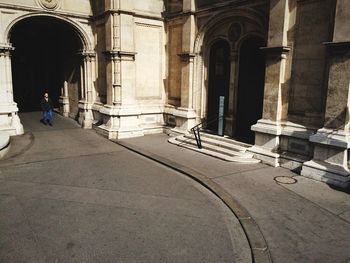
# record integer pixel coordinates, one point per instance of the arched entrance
(46, 59)
(251, 79)
(219, 81)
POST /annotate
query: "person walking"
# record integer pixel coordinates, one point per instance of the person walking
(47, 107)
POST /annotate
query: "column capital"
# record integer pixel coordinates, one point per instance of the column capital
(120, 55)
(276, 51)
(5, 49)
(187, 56)
(87, 53)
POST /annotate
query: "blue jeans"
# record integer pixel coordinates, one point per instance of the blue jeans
(47, 116)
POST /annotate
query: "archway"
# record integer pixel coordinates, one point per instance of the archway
(219, 81)
(46, 59)
(251, 79)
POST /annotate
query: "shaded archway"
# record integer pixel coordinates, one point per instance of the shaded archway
(46, 59)
(219, 81)
(251, 79)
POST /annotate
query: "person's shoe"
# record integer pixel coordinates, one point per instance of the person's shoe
(50, 124)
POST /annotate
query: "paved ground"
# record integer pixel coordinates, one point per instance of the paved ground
(70, 195)
(303, 222)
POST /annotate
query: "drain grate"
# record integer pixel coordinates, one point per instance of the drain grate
(285, 180)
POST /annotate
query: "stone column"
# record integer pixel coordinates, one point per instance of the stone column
(64, 100)
(9, 120)
(121, 113)
(185, 115)
(275, 106)
(232, 104)
(332, 143)
(88, 94)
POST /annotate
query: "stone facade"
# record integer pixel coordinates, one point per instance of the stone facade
(147, 66)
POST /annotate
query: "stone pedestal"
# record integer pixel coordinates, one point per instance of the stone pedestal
(120, 122)
(330, 161)
(332, 143)
(64, 106)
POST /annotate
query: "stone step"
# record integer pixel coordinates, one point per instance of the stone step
(215, 151)
(225, 139)
(220, 143)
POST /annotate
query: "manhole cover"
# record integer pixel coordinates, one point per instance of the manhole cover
(285, 180)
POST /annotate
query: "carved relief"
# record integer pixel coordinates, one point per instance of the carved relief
(49, 4)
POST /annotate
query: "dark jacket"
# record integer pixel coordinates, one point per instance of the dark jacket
(46, 105)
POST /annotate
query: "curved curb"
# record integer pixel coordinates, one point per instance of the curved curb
(5, 143)
(259, 249)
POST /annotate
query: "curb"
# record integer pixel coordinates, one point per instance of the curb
(5, 144)
(259, 249)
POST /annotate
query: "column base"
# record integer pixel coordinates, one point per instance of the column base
(330, 161)
(267, 142)
(10, 122)
(120, 122)
(328, 173)
(86, 118)
(64, 106)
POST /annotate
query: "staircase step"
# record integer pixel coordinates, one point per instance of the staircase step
(215, 148)
(225, 139)
(223, 154)
(219, 143)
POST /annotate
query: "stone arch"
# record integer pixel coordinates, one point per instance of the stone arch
(82, 34)
(208, 34)
(87, 65)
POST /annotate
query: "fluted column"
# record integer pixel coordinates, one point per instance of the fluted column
(88, 93)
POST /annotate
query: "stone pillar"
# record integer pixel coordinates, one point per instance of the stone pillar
(332, 143)
(121, 113)
(9, 120)
(275, 106)
(232, 104)
(185, 115)
(64, 100)
(87, 91)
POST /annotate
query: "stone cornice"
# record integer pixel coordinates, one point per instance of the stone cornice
(338, 47)
(276, 51)
(103, 14)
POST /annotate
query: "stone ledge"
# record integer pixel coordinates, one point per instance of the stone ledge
(332, 138)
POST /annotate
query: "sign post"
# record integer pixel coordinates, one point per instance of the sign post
(221, 116)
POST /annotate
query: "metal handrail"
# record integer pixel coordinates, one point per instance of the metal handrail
(196, 129)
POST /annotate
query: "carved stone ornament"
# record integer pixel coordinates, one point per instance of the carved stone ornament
(49, 4)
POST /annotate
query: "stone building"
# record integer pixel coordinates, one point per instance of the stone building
(134, 67)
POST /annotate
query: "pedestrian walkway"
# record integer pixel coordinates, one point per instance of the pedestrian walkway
(301, 220)
(69, 195)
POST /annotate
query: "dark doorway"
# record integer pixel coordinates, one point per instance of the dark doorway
(250, 93)
(219, 81)
(45, 57)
